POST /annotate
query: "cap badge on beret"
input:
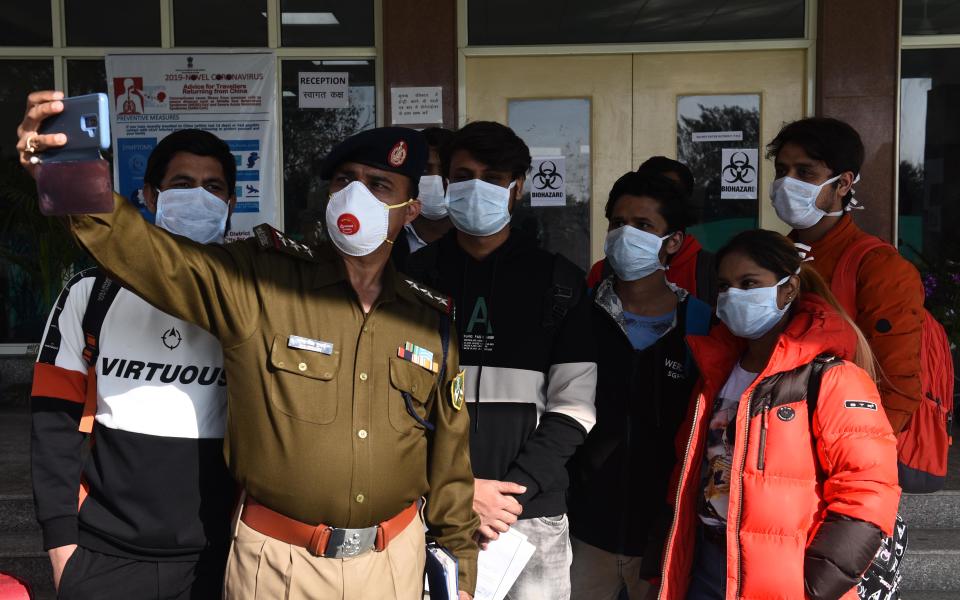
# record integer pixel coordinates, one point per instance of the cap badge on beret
(398, 154)
(348, 224)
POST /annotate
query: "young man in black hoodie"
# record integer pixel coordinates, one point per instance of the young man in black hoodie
(619, 477)
(530, 365)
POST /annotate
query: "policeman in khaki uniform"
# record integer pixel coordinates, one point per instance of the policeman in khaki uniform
(344, 403)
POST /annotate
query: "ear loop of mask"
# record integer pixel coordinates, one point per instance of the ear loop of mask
(854, 204)
(670, 257)
(393, 206)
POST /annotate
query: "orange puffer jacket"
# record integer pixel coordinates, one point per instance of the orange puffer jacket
(804, 509)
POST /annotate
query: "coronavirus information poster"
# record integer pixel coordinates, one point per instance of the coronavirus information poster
(230, 95)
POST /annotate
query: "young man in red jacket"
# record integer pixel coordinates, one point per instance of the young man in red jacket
(692, 267)
(817, 163)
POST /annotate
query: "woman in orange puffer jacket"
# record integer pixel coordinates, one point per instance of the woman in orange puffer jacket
(771, 503)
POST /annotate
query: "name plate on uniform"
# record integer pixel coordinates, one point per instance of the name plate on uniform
(302, 343)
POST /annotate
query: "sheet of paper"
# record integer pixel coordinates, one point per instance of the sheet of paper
(500, 564)
(520, 560)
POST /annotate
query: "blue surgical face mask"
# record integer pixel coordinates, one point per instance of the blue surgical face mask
(633, 254)
(194, 213)
(751, 313)
(433, 204)
(796, 201)
(479, 208)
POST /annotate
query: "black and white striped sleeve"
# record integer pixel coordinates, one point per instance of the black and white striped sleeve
(569, 413)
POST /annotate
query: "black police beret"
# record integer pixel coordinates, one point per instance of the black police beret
(398, 149)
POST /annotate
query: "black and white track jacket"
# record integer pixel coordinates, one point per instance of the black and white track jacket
(530, 379)
(154, 484)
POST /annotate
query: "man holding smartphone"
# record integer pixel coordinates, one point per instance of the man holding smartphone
(345, 398)
(147, 392)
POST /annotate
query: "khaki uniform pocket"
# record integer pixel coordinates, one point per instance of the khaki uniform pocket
(303, 383)
(415, 381)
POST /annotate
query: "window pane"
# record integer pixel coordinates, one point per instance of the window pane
(220, 23)
(718, 137)
(25, 23)
(86, 77)
(310, 133)
(326, 22)
(929, 200)
(35, 249)
(112, 23)
(555, 207)
(931, 17)
(631, 21)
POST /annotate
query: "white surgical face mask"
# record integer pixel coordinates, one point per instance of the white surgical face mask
(633, 254)
(432, 203)
(357, 221)
(796, 201)
(479, 208)
(194, 213)
(751, 313)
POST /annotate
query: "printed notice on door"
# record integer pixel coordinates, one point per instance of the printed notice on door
(416, 105)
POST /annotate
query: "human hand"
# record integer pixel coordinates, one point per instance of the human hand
(58, 560)
(464, 596)
(40, 105)
(493, 501)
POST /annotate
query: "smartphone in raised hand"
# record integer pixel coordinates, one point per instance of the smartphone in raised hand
(75, 178)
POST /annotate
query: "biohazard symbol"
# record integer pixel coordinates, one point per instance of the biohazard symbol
(547, 177)
(739, 170)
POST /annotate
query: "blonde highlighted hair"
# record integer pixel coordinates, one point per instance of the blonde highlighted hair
(777, 254)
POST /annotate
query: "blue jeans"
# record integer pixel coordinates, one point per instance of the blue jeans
(709, 576)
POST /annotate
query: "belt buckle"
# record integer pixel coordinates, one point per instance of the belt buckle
(347, 543)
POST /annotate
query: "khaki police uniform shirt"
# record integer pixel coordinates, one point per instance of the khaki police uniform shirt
(322, 435)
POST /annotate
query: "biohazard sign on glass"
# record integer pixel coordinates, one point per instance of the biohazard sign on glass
(548, 182)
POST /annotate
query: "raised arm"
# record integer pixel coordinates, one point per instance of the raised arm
(209, 285)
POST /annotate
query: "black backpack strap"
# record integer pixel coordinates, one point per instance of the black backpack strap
(706, 277)
(444, 344)
(102, 296)
(565, 292)
(818, 367)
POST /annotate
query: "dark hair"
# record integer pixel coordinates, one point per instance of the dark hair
(769, 249)
(663, 165)
(194, 141)
(437, 137)
(492, 144)
(672, 205)
(776, 253)
(834, 142)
